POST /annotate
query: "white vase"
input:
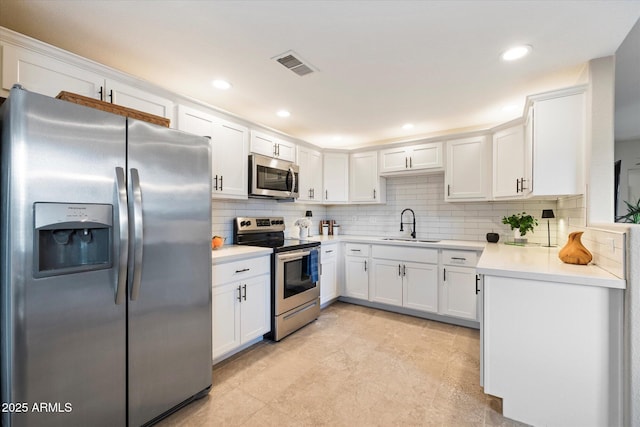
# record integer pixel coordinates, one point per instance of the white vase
(304, 233)
(517, 237)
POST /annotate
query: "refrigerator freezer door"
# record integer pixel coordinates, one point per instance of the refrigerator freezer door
(63, 335)
(170, 286)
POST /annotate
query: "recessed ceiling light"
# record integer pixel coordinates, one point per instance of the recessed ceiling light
(516, 52)
(337, 138)
(221, 84)
(283, 113)
(407, 126)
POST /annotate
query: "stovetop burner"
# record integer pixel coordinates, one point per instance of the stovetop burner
(267, 232)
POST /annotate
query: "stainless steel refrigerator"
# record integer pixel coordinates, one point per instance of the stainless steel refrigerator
(106, 266)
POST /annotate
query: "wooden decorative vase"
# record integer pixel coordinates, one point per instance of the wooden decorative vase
(574, 252)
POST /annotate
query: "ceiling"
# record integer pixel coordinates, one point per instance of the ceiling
(380, 64)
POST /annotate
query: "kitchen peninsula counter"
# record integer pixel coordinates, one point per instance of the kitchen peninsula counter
(541, 263)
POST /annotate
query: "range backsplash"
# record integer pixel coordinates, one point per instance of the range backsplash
(435, 218)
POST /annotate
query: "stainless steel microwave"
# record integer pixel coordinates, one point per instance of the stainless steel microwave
(272, 178)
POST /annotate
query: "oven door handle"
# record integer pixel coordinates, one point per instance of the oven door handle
(294, 256)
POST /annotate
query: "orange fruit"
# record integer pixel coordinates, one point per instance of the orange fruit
(217, 242)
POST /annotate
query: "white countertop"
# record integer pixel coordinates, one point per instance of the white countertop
(540, 263)
(236, 252)
(378, 240)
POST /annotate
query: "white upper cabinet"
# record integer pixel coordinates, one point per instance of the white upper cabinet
(557, 132)
(49, 76)
(310, 176)
(128, 96)
(509, 175)
(46, 75)
(336, 178)
(417, 158)
(229, 151)
(468, 171)
(267, 145)
(365, 185)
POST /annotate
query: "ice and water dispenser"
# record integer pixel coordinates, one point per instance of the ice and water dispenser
(72, 237)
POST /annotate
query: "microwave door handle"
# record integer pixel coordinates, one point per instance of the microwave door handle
(293, 180)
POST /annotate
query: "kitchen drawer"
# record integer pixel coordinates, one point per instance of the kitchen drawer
(462, 258)
(328, 252)
(357, 249)
(240, 270)
(403, 253)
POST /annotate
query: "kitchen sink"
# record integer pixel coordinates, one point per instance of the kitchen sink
(404, 239)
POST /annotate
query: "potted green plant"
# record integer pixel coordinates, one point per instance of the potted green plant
(521, 223)
(633, 213)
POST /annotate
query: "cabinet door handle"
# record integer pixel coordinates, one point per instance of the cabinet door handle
(374, 194)
(406, 165)
(326, 194)
(215, 185)
(410, 162)
(448, 190)
(399, 270)
(243, 270)
(522, 187)
(239, 294)
(244, 292)
(477, 282)
(444, 274)
(221, 182)
(113, 99)
(328, 252)
(365, 265)
(101, 93)
(518, 185)
(404, 270)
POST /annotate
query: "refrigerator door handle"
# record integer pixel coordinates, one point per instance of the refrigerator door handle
(123, 250)
(135, 261)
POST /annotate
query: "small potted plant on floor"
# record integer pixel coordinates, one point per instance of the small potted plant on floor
(521, 224)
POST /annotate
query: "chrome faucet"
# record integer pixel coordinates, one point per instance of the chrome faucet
(413, 233)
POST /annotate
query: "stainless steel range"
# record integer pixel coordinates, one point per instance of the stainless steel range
(295, 270)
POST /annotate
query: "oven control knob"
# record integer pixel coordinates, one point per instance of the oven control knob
(274, 222)
(248, 223)
(281, 222)
(243, 223)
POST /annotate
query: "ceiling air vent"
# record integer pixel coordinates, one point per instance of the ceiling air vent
(293, 62)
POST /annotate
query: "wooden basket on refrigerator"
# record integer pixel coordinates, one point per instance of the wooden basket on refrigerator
(113, 108)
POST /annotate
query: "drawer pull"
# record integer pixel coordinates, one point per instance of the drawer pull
(458, 258)
(356, 250)
(243, 270)
(328, 252)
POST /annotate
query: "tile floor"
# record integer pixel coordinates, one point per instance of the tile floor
(354, 366)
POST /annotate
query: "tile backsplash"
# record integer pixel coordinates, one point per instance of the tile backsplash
(435, 218)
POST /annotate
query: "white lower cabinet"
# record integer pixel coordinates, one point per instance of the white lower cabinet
(241, 304)
(458, 295)
(406, 277)
(328, 272)
(356, 266)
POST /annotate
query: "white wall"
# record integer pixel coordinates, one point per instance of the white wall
(600, 150)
